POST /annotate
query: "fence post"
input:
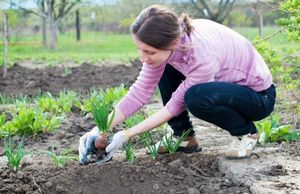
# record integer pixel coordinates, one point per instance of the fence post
(77, 25)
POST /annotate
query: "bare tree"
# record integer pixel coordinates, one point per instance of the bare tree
(51, 13)
(215, 11)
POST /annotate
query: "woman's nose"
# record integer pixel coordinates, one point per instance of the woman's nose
(144, 58)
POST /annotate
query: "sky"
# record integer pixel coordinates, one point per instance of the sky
(31, 4)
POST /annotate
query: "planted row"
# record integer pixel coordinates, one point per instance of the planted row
(46, 113)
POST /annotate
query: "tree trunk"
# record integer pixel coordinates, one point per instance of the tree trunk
(53, 36)
(5, 48)
(52, 41)
(44, 25)
(44, 32)
(77, 25)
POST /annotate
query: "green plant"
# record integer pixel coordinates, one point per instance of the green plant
(52, 123)
(133, 120)
(129, 147)
(148, 141)
(114, 94)
(101, 114)
(27, 121)
(110, 96)
(48, 104)
(67, 71)
(171, 144)
(270, 130)
(14, 157)
(129, 152)
(11, 99)
(94, 97)
(65, 100)
(62, 104)
(60, 160)
(2, 120)
(30, 120)
(7, 129)
(291, 21)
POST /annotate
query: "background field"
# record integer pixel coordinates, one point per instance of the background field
(98, 46)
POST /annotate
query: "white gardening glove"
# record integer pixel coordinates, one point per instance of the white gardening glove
(86, 143)
(118, 140)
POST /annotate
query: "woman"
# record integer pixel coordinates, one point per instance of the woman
(201, 67)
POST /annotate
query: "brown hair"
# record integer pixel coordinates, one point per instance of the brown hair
(159, 27)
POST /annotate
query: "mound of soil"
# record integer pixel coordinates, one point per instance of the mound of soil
(176, 173)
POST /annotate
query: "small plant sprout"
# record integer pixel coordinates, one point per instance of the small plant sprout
(62, 159)
(129, 147)
(147, 138)
(14, 157)
(129, 152)
(101, 114)
(103, 122)
(172, 144)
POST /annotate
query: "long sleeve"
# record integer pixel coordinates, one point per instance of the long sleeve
(141, 91)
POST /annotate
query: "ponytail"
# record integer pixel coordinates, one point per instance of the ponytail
(186, 23)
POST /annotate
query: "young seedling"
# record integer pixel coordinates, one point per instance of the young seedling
(129, 148)
(60, 160)
(129, 152)
(101, 114)
(172, 145)
(14, 157)
(147, 138)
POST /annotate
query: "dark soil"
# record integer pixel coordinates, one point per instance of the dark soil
(31, 81)
(169, 173)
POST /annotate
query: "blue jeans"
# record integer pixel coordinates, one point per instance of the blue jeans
(229, 106)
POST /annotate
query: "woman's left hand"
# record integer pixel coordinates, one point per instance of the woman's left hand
(119, 139)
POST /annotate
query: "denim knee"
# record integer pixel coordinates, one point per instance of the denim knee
(194, 99)
(200, 98)
(188, 97)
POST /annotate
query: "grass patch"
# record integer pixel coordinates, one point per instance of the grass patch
(93, 47)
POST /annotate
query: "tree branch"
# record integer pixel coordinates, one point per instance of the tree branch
(27, 10)
(270, 6)
(199, 9)
(227, 7)
(220, 6)
(271, 35)
(206, 7)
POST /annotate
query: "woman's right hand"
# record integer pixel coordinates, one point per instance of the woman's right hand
(86, 144)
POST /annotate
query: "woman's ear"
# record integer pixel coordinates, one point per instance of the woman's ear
(174, 44)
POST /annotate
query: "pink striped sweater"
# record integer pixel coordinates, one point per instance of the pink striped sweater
(215, 53)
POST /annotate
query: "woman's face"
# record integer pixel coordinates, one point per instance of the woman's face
(149, 54)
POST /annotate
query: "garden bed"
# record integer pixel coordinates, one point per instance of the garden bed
(168, 173)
